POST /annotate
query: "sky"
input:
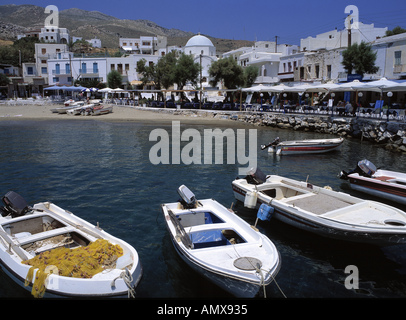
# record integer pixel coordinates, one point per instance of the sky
(253, 20)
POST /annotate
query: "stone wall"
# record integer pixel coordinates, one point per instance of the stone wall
(391, 135)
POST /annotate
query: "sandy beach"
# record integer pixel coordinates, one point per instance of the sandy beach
(120, 113)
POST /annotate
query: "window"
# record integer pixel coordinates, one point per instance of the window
(67, 68)
(398, 58)
(30, 70)
(43, 50)
(329, 71)
(44, 70)
(95, 67)
(57, 69)
(83, 67)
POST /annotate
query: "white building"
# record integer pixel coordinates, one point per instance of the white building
(391, 56)
(336, 39)
(203, 52)
(63, 68)
(268, 57)
(54, 35)
(144, 45)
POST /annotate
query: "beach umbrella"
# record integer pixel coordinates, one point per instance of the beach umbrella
(106, 90)
(323, 87)
(396, 86)
(298, 88)
(383, 84)
(258, 88)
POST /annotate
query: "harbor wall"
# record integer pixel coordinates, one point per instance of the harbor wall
(388, 134)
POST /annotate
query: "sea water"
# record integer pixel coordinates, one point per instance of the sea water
(101, 171)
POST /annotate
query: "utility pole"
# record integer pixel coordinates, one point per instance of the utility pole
(276, 44)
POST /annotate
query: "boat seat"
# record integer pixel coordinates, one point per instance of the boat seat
(208, 238)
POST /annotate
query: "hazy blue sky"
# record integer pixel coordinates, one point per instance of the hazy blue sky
(245, 19)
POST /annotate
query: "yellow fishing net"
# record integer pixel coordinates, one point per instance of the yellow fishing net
(82, 262)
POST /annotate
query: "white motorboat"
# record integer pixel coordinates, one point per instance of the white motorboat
(95, 110)
(390, 185)
(67, 107)
(323, 211)
(52, 252)
(303, 146)
(221, 246)
(98, 110)
(77, 109)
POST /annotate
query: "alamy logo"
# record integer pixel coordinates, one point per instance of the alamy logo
(199, 150)
(351, 22)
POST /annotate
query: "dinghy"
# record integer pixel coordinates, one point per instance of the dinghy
(323, 211)
(53, 253)
(389, 185)
(221, 246)
(303, 146)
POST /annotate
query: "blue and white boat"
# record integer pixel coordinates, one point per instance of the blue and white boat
(323, 211)
(221, 246)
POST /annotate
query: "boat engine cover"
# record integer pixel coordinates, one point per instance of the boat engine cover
(15, 204)
(188, 197)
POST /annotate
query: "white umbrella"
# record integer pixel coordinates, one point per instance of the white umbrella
(106, 90)
(324, 87)
(397, 86)
(258, 88)
(298, 88)
(349, 86)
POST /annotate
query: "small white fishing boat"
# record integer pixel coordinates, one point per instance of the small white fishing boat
(52, 252)
(77, 109)
(390, 185)
(67, 107)
(98, 110)
(95, 110)
(221, 246)
(69, 102)
(303, 146)
(323, 211)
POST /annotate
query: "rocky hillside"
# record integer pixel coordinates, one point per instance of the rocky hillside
(14, 19)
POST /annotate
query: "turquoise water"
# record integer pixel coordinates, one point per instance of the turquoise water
(101, 171)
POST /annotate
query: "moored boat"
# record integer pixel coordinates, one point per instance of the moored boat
(94, 110)
(303, 146)
(52, 252)
(221, 246)
(323, 211)
(386, 184)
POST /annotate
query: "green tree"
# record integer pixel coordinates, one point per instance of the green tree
(4, 80)
(23, 48)
(186, 70)
(396, 30)
(114, 79)
(228, 71)
(359, 58)
(165, 70)
(147, 71)
(250, 74)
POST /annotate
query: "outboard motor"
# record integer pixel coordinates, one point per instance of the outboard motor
(188, 199)
(255, 176)
(15, 205)
(364, 168)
